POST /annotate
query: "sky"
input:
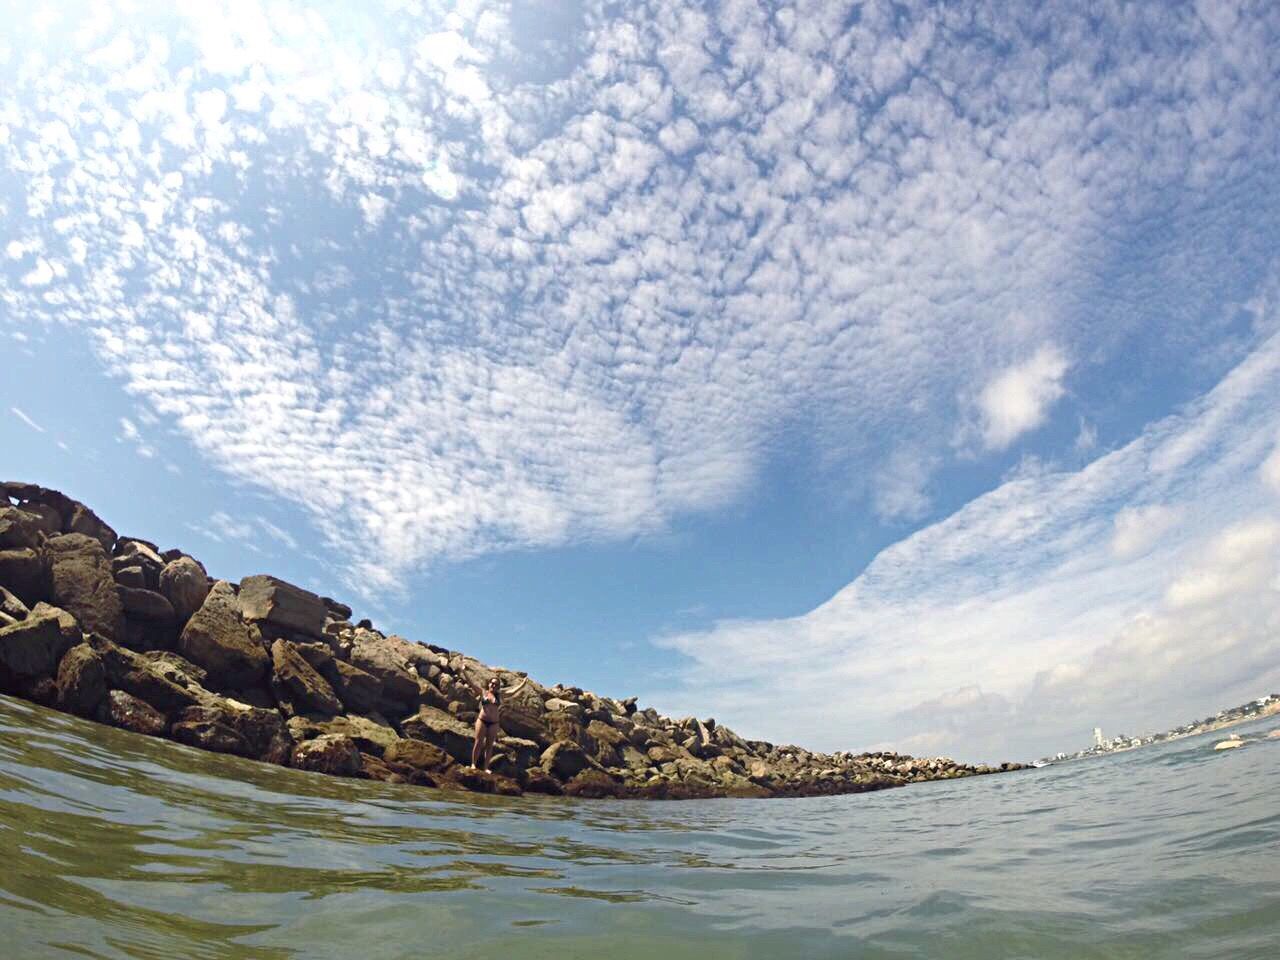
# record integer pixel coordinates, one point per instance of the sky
(861, 375)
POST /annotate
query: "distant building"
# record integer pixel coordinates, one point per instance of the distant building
(1097, 736)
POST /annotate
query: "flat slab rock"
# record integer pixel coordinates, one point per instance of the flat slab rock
(263, 597)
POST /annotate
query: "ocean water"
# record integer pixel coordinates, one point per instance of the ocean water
(115, 845)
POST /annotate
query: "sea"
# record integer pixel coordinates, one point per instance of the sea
(117, 845)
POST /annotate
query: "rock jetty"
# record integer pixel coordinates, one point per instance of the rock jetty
(119, 631)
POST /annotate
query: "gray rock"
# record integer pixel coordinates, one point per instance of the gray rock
(298, 687)
(217, 639)
(81, 583)
(374, 655)
(267, 598)
(185, 585)
(20, 530)
(447, 732)
(360, 692)
(564, 759)
(263, 732)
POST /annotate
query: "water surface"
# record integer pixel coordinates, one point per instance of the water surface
(116, 845)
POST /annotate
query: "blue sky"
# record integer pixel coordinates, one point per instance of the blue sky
(856, 374)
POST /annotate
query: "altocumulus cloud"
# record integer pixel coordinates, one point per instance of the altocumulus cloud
(455, 287)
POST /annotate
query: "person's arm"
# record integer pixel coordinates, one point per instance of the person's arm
(466, 678)
(509, 691)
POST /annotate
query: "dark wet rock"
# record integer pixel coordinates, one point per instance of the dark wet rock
(211, 735)
(41, 690)
(128, 712)
(129, 576)
(176, 668)
(81, 583)
(140, 556)
(360, 692)
(483, 781)
(537, 780)
(147, 636)
(335, 610)
(333, 754)
(297, 685)
(268, 598)
(263, 732)
(217, 639)
(184, 583)
(25, 572)
(447, 732)
(82, 681)
(593, 785)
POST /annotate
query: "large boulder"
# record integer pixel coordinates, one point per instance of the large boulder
(184, 584)
(20, 529)
(359, 691)
(593, 784)
(374, 655)
(564, 759)
(267, 598)
(297, 685)
(418, 754)
(139, 556)
(371, 734)
(128, 712)
(445, 731)
(25, 572)
(330, 753)
(217, 639)
(176, 668)
(84, 522)
(144, 604)
(136, 675)
(81, 583)
(258, 734)
(33, 647)
(484, 781)
(81, 681)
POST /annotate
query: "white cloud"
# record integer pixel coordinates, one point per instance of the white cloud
(26, 419)
(1271, 470)
(1119, 594)
(1018, 398)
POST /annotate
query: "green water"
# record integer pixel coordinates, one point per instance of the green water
(114, 845)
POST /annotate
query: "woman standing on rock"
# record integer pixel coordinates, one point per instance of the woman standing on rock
(488, 723)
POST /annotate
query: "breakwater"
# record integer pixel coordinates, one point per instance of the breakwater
(124, 632)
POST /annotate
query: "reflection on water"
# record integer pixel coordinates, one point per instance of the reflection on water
(116, 845)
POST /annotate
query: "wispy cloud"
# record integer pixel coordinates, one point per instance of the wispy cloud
(507, 293)
(1141, 587)
(26, 419)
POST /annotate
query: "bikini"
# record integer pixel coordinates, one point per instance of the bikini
(497, 703)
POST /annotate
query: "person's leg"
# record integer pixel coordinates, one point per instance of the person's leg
(482, 735)
(491, 738)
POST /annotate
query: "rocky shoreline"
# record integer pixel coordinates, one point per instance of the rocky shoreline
(117, 630)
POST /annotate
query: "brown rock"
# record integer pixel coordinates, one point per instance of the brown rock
(212, 736)
(263, 732)
(85, 522)
(436, 726)
(331, 753)
(11, 606)
(267, 598)
(564, 759)
(371, 734)
(176, 668)
(483, 781)
(130, 713)
(81, 583)
(82, 681)
(20, 530)
(298, 687)
(145, 604)
(217, 639)
(374, 655)
(25, 572)
(360, 692)
(537, 780)
(185, 585)
(127, 576)
(593, 784)
(136, 675)
(418, 754)
(33, 647)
